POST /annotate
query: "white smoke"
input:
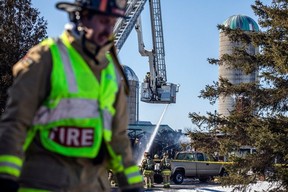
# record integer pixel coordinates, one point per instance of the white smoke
(184, 139)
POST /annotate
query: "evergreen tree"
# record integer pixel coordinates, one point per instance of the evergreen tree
(21, 27)
(259, 118)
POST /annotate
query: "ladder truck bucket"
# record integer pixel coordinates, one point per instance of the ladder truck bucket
(165, 94)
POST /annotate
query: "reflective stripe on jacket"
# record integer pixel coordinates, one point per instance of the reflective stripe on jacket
(10, 165)
(166, 172)
(78, 112)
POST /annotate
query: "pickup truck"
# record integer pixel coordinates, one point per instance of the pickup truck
(193, 164)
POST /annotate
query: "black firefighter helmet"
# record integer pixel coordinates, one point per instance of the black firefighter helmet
(114, 8)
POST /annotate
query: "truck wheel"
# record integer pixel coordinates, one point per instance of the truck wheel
(178, 177)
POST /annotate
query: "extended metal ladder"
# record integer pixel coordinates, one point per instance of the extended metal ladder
(158, 40)
(124, 26)
(156, 90)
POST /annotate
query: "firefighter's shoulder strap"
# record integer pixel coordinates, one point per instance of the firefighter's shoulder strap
(120, 69)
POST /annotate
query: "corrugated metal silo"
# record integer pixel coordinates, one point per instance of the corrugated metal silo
(235, 76)
(133, 99)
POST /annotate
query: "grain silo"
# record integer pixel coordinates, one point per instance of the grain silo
(133, 99)
(235, 76)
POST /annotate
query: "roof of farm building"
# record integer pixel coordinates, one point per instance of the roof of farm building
(147, 127)
(242, 22)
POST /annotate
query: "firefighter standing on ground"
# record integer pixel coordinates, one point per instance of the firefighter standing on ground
(147, 167)
(157, 171)
(66, 117)
(165, 166)
(156, 160)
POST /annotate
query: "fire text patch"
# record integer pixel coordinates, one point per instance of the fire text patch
(72, 136)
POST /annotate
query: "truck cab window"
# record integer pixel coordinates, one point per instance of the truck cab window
(180, 156)
(189, 157)
(200, 157)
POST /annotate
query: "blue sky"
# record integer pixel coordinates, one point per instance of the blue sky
(190, 37)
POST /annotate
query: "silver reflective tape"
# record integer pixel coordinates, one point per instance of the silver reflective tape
(118, 77)
(68, 108)
(72, 85)
(12, 165)
(131, 175)
(107, 118)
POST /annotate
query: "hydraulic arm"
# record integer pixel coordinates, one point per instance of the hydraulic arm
(155, 88)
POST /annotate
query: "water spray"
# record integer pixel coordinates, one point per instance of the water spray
(151, 139)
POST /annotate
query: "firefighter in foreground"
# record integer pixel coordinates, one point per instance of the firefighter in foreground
(147, 168)
(66, 117)
(165, 166)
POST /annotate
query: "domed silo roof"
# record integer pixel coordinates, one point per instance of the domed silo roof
(242, 22)
(130, 73)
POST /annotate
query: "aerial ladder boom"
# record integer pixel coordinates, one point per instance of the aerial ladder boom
(155, 88)
(150, 76)
(124, 26)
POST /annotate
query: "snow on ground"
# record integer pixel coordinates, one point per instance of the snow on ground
(260, 186)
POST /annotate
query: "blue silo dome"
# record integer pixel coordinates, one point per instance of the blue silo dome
(242, 22)
(131, 76)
